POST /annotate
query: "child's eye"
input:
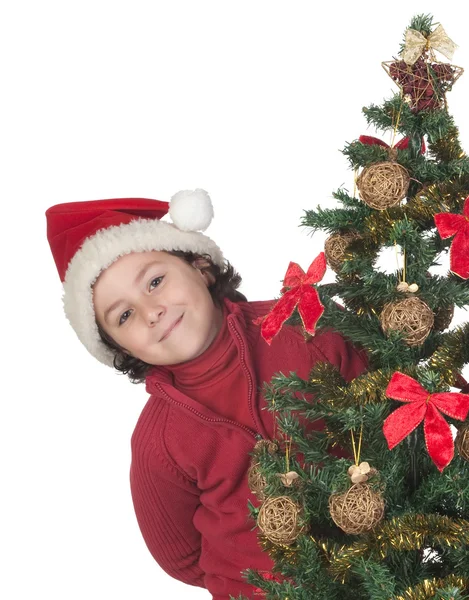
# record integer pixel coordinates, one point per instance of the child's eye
(158, 280)
(121, 320)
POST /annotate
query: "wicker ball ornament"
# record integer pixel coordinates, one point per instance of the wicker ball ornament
(279, 520)
(383, 184)
(411, 316)
(257, 481)
(462, 441)
(358, 510)
(443, 317)
(335, 248)
(270, 446)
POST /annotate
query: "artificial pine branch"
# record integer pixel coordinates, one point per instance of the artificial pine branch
(325, 424)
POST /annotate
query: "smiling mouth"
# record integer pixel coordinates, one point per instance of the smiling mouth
(168, 331)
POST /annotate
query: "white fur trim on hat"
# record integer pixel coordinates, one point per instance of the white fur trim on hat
(101, 250)
(191, 210)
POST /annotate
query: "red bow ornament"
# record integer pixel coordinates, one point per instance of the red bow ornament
(299, 292)
(426, 407)
(403, 144)
(449, 224)
(271, 577)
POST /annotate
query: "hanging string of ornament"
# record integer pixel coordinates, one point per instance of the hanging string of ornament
(384, 184)
(410, 316)
(360, 508)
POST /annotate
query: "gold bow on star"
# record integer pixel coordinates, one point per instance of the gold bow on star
(416, 43)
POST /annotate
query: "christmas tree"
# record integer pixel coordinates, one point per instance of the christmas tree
(392, 522)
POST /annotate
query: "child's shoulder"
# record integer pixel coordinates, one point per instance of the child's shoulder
(258, 307)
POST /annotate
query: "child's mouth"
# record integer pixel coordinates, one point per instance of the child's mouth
(171, 328)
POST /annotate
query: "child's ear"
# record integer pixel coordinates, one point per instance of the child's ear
(203, 266)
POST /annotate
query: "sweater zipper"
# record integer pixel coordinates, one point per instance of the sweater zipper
(251, 433)
(246, 371)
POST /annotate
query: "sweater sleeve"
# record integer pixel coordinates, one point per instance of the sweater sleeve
(341, 352)
(165, 502)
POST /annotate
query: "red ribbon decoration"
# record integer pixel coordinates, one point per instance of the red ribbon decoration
(271, 577)
(425, 407)
(401, 144)
(449, 224)
(299, 293)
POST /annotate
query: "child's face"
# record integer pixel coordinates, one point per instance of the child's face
(161, 309)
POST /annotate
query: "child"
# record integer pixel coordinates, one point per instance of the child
(159, 302)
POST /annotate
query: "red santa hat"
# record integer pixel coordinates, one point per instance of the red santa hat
(87, 237)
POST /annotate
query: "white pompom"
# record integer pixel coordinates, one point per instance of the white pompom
(191, 210)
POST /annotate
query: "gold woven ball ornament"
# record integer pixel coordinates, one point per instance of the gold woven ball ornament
(335, 248)
(443, 317)
(462, 441)
(383, 184)
(257, 481)
(270, 446)
(411, 316)
(358, 510)
(279, 520)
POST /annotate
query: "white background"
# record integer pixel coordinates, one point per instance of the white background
(251, 100)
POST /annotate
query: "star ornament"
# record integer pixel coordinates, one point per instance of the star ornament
(449, 224)
(299, 293)
(426, 407)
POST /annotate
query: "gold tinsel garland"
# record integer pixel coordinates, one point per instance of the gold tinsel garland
(429, 587)
(445, 197)
(378, 225)
(447, 147)
(278, 551)
(448, 357)
(332, 554)
(370, 387)
(366, 389)
(435, 198)
(423, 207)
(410, 532)
(358, 306)
(328, 379)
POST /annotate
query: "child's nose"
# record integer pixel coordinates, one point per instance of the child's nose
(154, 314)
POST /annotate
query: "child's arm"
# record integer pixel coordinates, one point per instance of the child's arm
(332, 347)
(165, 503)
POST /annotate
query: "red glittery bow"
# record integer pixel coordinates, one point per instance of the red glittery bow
(271, 577)
(424, 406)
(449, 224)
(299, 293)
(401, 144)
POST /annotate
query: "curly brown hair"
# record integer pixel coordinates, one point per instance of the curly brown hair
(226, 282)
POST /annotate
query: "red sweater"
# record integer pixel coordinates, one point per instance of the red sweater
(191, 444)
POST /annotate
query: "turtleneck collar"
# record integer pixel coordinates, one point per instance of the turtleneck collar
(215, 364)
